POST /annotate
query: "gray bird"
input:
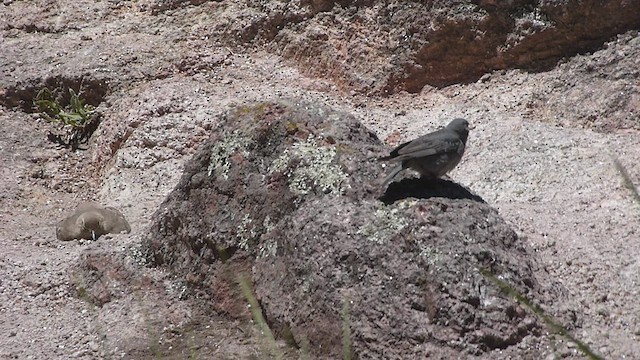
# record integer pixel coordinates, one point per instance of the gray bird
(90, 221)
(433, 154)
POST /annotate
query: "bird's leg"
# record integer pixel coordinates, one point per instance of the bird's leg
(446, 177)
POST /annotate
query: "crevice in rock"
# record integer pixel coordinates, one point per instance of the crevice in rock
(91, 91)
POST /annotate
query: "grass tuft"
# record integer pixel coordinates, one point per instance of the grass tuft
(347, 349)
(304, 348)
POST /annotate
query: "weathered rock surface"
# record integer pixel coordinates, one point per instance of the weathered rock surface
(257, 168)
(160, 71)
(290, 193)
(90, 221)
(410, 273)
(115, 281)
(105, 273)
(390, 46)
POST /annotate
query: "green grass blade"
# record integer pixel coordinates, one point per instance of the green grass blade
(626, 179)
(346, 330)
(258, 317)
(555, 326)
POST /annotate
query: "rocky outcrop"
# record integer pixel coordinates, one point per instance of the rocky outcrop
(409, 272)
(289, 194)
(263, 161)
(389, 46)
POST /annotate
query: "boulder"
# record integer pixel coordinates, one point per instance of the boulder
(290, 194)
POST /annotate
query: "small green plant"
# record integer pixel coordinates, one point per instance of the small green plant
(77, 114)
(554, 325)
(76, 122)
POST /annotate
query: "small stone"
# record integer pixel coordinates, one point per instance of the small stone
(604, 312)
(93, 346)
(77, 354)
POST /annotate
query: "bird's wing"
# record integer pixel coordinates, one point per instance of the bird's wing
(429, 145)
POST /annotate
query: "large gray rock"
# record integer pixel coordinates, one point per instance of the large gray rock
(411, 273)
(260, 165)
(290, 194)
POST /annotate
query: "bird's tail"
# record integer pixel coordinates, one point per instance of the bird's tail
(391, 175)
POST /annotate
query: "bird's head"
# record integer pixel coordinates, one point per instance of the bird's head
(461, 127)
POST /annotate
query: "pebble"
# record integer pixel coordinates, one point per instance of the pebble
(94, 346)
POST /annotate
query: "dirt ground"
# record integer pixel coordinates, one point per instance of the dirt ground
(540, 152)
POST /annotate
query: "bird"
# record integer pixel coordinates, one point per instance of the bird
(90, 221)
(432, 155)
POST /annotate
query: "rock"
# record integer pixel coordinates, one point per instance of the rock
(117, 285)
(413, 292)
(392, 46)
(90, 221)
(289, 193)
(261, 164)
(103, 274)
